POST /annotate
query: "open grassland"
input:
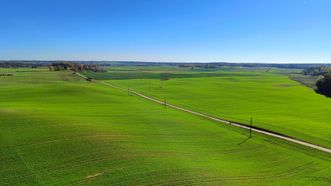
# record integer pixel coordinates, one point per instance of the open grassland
(269, 96)
(309, 81)
(57, 129)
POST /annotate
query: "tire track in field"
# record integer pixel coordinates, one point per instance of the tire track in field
(220, 120)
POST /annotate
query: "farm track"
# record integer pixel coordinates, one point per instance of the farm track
(236, 124)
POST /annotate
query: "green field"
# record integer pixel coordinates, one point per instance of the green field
(273, 100)
(58, 129)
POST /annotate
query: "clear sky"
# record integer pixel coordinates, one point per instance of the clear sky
(166, 30)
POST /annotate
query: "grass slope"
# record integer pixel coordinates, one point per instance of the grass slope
(273, 100)
(56, 129)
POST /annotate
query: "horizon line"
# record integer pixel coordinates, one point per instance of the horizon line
(141, 61)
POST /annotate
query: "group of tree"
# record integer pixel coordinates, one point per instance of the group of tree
(58, 66)
(324, 85)
(76, 67)
(198, 65)
(8, 64)
(317, 71)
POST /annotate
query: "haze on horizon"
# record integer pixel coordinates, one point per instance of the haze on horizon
(275, 31)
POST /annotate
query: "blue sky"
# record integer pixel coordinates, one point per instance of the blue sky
(167, 30)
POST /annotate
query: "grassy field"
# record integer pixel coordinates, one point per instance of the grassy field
(268, 95)
(309, 81)
(57, 129)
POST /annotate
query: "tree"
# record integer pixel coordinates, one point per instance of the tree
(324, 85)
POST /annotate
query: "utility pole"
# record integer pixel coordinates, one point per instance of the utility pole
(128, 91)
(165, 102)
(250, 129)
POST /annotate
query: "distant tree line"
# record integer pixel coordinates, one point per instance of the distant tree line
(19, 65)
(76, 67)
(317, 70)
(25, 63)
(199, 65)
(53, 66)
